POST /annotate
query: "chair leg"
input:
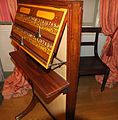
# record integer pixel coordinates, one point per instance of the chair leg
(78, 80)
(105, 79)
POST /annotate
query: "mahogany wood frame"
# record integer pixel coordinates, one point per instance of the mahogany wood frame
(74, 23)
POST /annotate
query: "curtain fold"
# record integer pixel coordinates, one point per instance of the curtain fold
(109, 24)
(12, 6)
(4, 11)
(7, 10)
(15, 85)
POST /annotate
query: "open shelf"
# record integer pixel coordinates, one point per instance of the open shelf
(46, 82)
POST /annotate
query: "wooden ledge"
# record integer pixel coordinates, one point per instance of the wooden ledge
(47, 83)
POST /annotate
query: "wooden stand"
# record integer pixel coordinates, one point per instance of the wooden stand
(47, 83)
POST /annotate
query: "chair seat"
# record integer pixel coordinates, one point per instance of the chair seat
(91, 65)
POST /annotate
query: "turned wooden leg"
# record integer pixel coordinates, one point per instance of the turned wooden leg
(32, 104)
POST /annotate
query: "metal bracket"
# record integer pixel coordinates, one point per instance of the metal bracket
(38, 33)
(22, 41)
(59, 64)
(65, 91)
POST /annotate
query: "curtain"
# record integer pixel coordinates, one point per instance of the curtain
(7, 10)
(12, 6)
(109, 24)
(16, 84)
(4, 11)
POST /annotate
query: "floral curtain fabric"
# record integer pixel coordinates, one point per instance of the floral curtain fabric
(15, 85)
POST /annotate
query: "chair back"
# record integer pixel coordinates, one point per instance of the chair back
(94, 43)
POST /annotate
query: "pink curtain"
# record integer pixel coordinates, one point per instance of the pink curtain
(109, 24)
(7, 10)
(4, 11)
(12, 5)
(16, 84)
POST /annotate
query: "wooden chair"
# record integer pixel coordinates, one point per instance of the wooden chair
(93, 65)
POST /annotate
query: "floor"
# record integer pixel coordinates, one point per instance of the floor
(10, 108)
(91, 104)
(94, 105)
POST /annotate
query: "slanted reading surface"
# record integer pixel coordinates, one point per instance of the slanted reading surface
(37, 30)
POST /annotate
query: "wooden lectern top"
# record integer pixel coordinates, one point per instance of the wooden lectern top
(38, 29)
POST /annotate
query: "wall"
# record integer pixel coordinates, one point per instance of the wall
(90, 11)
(87, 50)
(5, 47)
